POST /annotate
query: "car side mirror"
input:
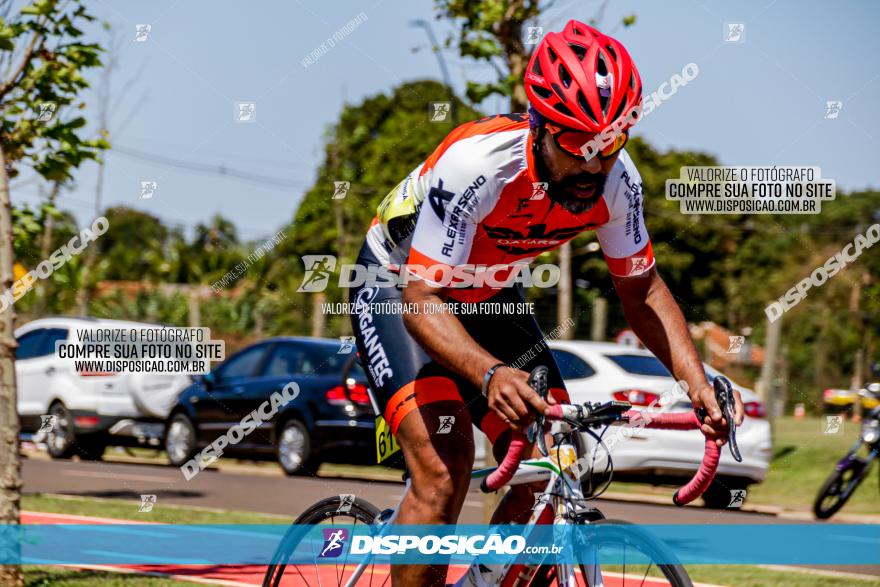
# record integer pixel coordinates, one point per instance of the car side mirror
(210, 380)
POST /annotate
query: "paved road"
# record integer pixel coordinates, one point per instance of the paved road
(291, 495)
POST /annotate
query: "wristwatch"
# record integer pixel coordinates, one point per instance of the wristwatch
(488, 377)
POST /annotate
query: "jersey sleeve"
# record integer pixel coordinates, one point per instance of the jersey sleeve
(457, 200)
(624, 238)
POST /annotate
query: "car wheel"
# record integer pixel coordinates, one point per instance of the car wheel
(718, 496)
(60, 438)
(293, 446)
(180, 439)
(91, 448)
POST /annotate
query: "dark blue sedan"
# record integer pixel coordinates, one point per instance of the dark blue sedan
(331, 417)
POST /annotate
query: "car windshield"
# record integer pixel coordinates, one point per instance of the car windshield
(640, 365)
(326, 360)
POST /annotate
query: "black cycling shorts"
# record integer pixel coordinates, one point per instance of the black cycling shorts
(403, 377)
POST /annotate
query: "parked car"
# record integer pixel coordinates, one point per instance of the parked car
(844, 400)
(90, 410)
(601, 372)
(331, 418)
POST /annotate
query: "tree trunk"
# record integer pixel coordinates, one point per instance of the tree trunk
(563, 306)
(45, 245)
(764, 387)
(10, 463)
(599, 322)
(83, 294)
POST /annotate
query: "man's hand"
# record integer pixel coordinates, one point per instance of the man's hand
(714, 425)
(513, 399)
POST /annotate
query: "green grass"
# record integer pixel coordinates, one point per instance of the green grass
(746, 576)
(803, 459)
(69, 577)
(168, 514)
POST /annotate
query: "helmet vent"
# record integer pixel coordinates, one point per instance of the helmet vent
(552, 54)
(537, 68)
(542, 92)
(563, 109)
(585, 108)
(601, 66)
(612, 51)
(578, 50)
(559, 92)
(564, 76)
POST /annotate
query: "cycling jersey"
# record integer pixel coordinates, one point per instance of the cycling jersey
(486, 208)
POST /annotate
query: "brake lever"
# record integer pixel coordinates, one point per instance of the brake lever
(535, 432)
(727, 404)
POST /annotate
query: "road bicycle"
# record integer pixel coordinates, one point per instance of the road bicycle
(851, 470)
(620, 554)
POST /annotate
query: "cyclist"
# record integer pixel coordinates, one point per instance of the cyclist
(499, 192)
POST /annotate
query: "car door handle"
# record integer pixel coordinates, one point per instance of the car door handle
(50, 370)
(239, 389)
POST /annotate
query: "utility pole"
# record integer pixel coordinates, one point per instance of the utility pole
(441, 61)
(764, 387)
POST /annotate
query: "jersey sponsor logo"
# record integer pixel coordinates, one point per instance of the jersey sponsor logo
(463, 207)
(634, 207)
(377, 361)
(439, 199)
(536, 237)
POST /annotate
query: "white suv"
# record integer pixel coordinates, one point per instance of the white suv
(87, 411)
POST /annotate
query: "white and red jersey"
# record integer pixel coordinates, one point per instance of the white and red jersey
(485, 207)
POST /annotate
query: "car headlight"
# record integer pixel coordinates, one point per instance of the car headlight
(870, 432)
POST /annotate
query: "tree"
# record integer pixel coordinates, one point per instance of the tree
(42, 58)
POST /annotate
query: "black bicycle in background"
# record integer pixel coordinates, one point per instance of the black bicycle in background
(852, 468)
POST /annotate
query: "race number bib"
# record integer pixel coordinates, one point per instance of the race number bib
(386, 444)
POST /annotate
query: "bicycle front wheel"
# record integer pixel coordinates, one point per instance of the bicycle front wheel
(839, 487)
(333, 511)
(625, 557)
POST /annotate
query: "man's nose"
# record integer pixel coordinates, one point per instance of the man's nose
(591, 165)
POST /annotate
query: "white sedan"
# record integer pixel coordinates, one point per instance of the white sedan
(600, 372)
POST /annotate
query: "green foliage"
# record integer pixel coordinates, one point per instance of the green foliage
(40, 101)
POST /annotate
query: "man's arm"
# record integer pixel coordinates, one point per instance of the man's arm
(444, 338)
(655, 317)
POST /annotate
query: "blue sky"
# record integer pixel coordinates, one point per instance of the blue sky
(759, 102)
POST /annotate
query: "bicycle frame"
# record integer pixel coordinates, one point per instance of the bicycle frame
(563, 489)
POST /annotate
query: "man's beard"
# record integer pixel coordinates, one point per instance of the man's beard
(560, 192)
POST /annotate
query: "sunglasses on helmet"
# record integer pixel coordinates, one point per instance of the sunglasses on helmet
(573, 141)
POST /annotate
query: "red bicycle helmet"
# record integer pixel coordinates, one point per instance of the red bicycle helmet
(582, 79)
